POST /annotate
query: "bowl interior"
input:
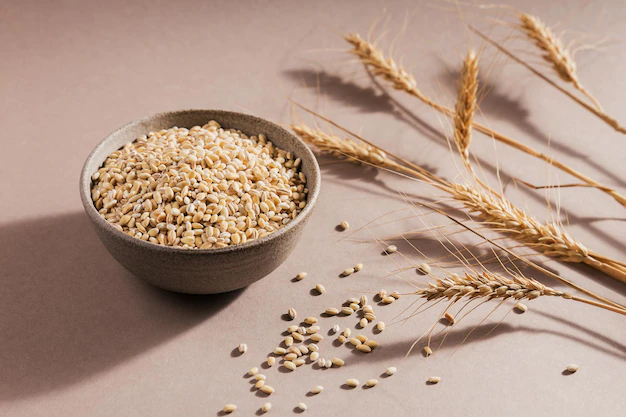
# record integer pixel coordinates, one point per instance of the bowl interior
(250, 125)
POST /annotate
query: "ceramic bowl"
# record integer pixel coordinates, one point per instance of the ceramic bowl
(201, 271)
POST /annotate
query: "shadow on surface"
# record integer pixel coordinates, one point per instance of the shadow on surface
(69, 310)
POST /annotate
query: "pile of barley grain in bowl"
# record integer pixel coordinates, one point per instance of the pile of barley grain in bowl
(204, 187)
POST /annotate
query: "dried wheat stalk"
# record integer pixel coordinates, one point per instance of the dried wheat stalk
(496, 211)
(598, 112)
(487, 285)
(554, 53)
(388, 69)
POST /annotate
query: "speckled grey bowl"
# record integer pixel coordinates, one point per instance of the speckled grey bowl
(201, 271)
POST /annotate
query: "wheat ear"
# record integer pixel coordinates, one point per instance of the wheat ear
(553, 52)
(598, 112)
(489, 286)
(388, 69)
(496, 211)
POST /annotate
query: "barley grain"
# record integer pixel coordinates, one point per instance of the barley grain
(267, 389)
(371, 382)
(229, 408)
(259, 383)
(347, 271)
(310, 320)
(304, 349)
(320, 288)
(292, 328)
(301, 330)
(342, 339)
(449, 317)
(301, 276)
(363, 300)
(347, 311)
(290, 356)
(328, 364)
(271, 361)
(297, 336)
(382, 294)
(355, 341)
(388, 299)
(336, 328)
(395, 294)
(371, 343)
(428, 351)
(354, 306)
(292, 313)
(316, 337)
(572, 368)
(321, 362)
(362, 338)
(313, 329)
(242, 348)
(391, 249)
(364, 348)
(358, 267)
(299, 362)
(369, 317)
(347, 332)
(314, 356)
(288, 341)
(338, 361)
(253, 371)
(317, 389)
(352, 382)
(279, 351)
(521, 307)
(368, 309)
(314, 347)
(332, 311)
(363, 322)
(344, 225)
(380, 326)
(423, 269)
(352, 300)
(434, 379)
(391, 370)
(289, 365)
(294, 350)
(266, 407)
(259, 377)
(302, 406)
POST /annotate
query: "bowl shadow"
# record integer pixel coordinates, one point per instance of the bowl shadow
(71, 311)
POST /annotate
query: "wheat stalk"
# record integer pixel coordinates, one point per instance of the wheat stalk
(496, 211)
(388, 69)
(597, 111)
(554, 52)
(487, 286)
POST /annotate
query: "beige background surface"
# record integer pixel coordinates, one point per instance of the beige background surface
(81, 337)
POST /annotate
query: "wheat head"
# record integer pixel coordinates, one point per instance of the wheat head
(466, 104)
(487, 285)
(554, 52)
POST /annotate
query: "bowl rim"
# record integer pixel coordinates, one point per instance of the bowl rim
(313, 184)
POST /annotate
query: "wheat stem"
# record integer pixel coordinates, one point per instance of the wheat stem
(389, 70)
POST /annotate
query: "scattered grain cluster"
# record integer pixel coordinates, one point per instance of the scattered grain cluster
(204, 187)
